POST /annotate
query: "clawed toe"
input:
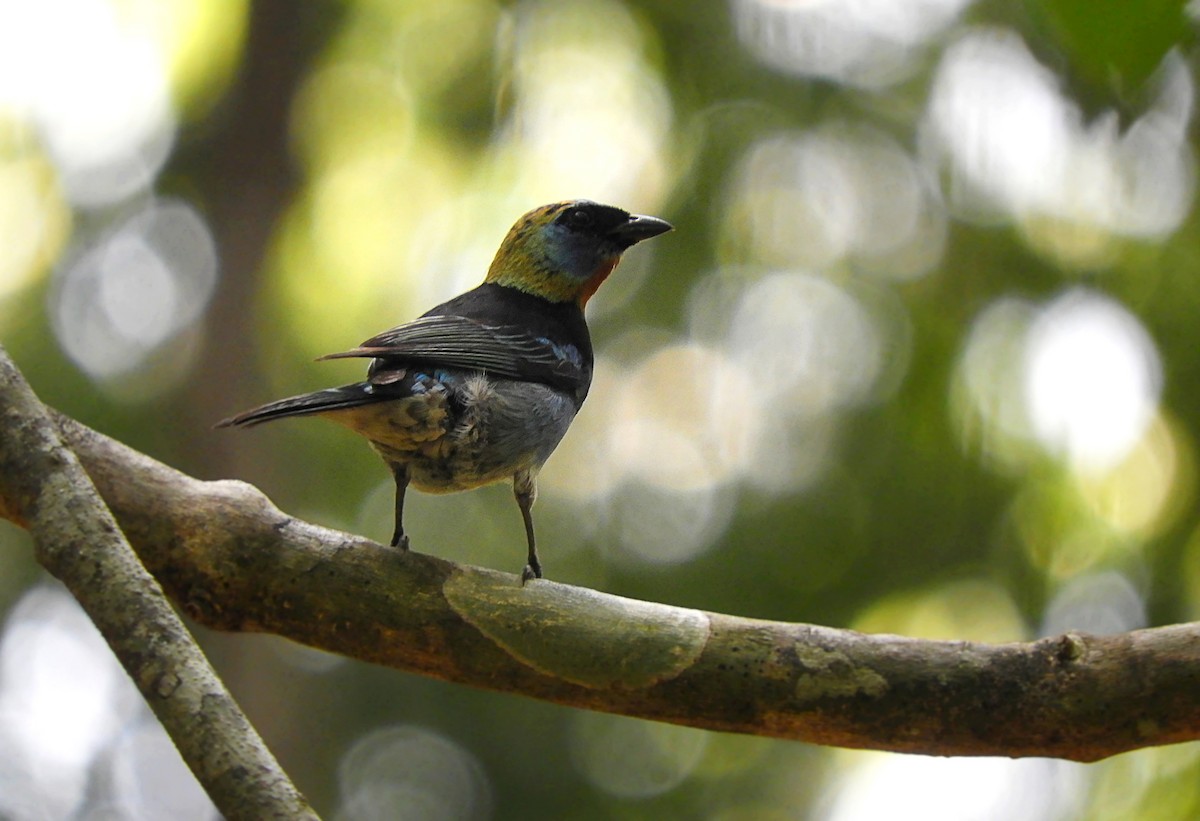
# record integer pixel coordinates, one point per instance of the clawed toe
(530, 572)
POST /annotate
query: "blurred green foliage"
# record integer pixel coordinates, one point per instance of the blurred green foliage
(919, 358)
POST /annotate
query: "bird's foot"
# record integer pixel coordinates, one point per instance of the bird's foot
(400, 540)
(531, 571)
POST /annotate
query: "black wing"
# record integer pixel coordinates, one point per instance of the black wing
(461, 342)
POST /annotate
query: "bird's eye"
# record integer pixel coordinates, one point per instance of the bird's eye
(579, 218)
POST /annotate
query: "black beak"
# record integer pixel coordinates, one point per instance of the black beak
(639, 228)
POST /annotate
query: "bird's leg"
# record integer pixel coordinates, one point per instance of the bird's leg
(400, 474)
(525, 489)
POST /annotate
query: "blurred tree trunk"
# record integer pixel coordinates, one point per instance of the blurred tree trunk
(243, 166)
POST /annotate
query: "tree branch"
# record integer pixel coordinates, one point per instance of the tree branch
(235, 562)
(45, 489)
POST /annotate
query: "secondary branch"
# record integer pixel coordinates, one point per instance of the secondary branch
(44, 489)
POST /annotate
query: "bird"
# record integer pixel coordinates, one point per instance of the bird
(481, 388)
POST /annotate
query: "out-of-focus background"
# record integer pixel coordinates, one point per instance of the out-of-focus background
(921, 357)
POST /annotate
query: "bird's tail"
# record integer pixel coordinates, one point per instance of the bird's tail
(347, 396)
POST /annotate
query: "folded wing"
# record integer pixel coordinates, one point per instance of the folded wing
(460, 342)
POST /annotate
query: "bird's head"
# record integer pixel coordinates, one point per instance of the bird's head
(562, 252)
